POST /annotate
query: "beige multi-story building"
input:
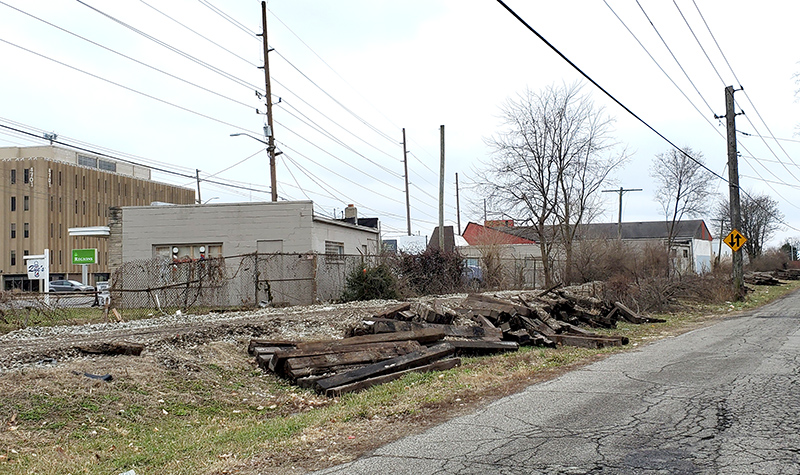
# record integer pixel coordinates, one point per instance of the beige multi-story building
(47, 190)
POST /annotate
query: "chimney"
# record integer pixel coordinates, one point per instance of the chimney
(351, 212)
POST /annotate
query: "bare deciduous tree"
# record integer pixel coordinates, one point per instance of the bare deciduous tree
(758, 221)
(683, 186)
(549, 161)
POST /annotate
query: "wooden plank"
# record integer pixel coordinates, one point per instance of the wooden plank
(632, 317)
(264, 360)
(478, 347)
(400, 363)
(480, 301)
(305, 366)
(520, 336)
(422, 335)
(589, 342)
(368, 383)
(280, 358)
(269, 350)
(255, 342)
(393, 311)
(460, 331)
(112, 348)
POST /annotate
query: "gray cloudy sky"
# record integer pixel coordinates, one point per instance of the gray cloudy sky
(351, 74)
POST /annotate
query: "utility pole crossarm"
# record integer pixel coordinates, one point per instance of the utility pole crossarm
(621, 191)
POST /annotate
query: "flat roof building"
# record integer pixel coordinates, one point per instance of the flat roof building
(48, 189)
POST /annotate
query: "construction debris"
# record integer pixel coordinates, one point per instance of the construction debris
(429, 336)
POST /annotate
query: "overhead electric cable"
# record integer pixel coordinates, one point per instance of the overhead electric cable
(229, 18)
(194, 59)
(675, 57)
(203, 36)
(604, 91)
(141, 63)
(123, 86)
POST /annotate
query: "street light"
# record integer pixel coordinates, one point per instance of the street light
(273, 182)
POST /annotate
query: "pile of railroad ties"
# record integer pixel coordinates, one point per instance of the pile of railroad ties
(430, 336)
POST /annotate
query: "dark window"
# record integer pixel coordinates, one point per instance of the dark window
(60, 204)
(26, 175)
(13, 230)
(76, 180)
(87, 161)
(26, 230)
(13, 258)
(83, 179)
(84, 208)
(26, 252)
(108, 166)
(26, 203)
(59, 178)
(51, 233)
(13, 203)
(76, 206)
(13, 175)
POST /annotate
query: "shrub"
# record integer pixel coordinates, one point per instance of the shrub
(430, 272)
(367, 283)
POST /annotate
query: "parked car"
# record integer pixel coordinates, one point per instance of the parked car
(69, 286)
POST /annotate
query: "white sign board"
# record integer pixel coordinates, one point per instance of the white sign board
(38, 267)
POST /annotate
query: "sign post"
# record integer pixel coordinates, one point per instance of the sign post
(84, 257)
(38, 268)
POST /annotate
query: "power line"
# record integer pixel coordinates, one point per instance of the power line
(95, 152)
(172, 48)
(674, 57)
(186, 109)
(141, 63)
(229, 18)
(604, 91)
(202, 36)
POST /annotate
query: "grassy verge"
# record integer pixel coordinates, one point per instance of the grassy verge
(210, 410)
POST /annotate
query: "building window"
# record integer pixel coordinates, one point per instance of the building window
(87, 161)
(13, 203)
(51, 231)
(83, 180)
(13, 230)
(26, 203)
(60, 204)
(13, 258)
(76, 206)
(59, 178)
(26, 230)
(334, 251)
(84, 208)
(26, 252)
(107, 166)
(26, 175)
(685, 253)
(13, 175)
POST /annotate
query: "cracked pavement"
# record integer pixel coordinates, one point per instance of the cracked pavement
(720, 400)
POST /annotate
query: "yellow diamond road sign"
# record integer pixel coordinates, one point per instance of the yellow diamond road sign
(735, 240)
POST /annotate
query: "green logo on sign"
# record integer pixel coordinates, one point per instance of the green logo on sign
(84, 256)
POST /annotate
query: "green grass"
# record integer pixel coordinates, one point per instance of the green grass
(199, 423)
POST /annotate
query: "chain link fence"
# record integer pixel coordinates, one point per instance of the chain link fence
(158, 286)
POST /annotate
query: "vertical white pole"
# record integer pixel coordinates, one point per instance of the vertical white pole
(46, 279)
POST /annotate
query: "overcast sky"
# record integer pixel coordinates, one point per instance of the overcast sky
(349, 75)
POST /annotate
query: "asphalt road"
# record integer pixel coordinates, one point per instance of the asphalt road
(720, 400)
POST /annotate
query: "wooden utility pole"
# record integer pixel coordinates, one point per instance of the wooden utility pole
(273, 181)
(197, 174)
(408, 196)
(441, 188)
(458, 209)
(621, 191)
(733, 186)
